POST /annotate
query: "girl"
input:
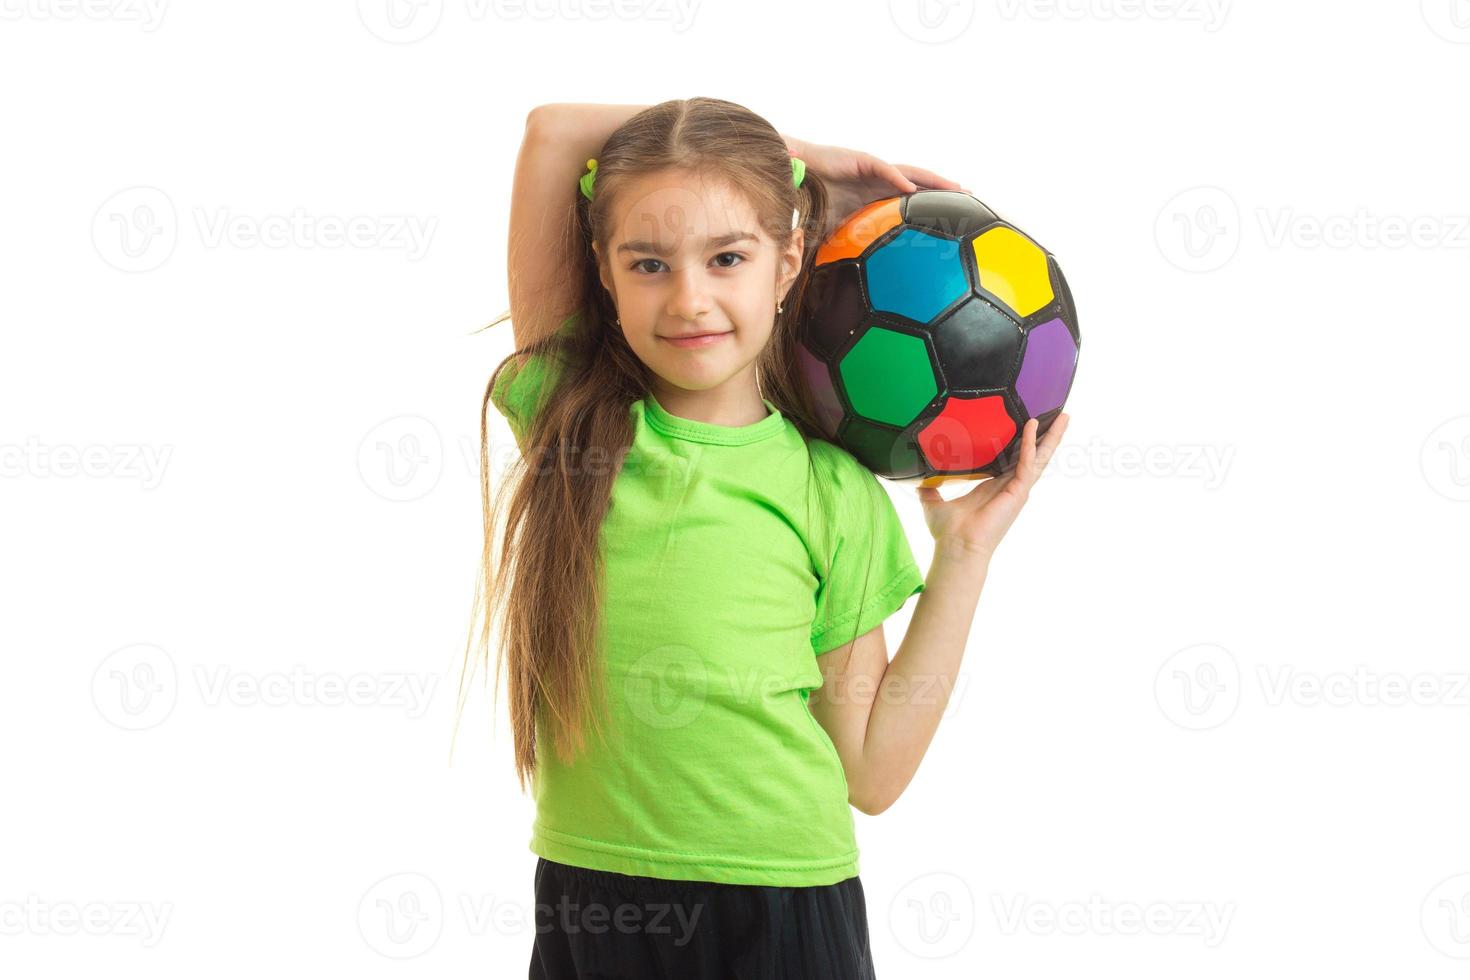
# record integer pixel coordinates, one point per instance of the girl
(693, 582)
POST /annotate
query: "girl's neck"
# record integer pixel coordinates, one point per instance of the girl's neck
(736, 402)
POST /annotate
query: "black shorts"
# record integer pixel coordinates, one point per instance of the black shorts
(600, 925)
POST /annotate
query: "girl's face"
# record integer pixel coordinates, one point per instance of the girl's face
(688, 257)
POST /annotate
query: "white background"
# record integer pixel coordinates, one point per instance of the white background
(1217, 681)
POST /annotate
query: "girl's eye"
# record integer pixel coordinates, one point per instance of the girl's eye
(639, 265)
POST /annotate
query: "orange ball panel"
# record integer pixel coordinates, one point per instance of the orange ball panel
(859, 231)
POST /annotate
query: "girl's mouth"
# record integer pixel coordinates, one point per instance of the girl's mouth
(703, 340)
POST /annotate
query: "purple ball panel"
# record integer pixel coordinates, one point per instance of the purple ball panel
(829, 409)
(1046, 367)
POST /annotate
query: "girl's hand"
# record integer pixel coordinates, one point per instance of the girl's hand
(978, 519)
(855, 178)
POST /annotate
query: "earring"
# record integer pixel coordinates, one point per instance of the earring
(778, 307)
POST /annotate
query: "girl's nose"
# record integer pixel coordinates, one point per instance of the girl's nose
(689, 299)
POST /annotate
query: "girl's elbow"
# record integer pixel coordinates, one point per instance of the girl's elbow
(543, 120)
(871, 802)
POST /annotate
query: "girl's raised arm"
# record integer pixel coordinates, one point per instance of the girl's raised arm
(543, 255)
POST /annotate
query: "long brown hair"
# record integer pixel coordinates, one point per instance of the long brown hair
(547, 575)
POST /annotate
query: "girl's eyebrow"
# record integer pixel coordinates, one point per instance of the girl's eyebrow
(720, 242)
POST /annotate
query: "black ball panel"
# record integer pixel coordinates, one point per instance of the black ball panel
(978, 346)
(948, 213)
(837, 307)
(1069, 310)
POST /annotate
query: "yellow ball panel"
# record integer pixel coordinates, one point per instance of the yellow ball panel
(1013, 269)
(940, 479)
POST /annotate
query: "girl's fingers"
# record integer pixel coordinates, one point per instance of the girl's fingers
(1025, 472)
(1052, 439)
(928, 178)
(985, 490)
(1028, 444)
(898, 178)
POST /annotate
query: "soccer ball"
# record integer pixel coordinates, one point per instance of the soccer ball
(932, 331)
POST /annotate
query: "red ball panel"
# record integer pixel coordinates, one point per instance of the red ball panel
(967, 434)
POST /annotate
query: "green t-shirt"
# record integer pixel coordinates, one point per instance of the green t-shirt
(716, 607)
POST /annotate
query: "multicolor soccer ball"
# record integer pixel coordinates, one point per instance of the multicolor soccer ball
(933, 331)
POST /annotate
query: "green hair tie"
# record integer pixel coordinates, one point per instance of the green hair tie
(586, 182)
(798, 170)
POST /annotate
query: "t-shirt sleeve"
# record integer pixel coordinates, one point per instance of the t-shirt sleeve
(872, 570)
(525, 383)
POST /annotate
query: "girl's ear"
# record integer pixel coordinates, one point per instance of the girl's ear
(601, 270)
(791, 260)
(602, 274)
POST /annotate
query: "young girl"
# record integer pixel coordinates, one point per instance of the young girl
(693, 581)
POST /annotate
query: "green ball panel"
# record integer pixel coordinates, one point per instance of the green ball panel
(888, 453)
(888, 376)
